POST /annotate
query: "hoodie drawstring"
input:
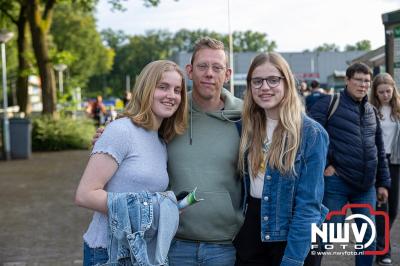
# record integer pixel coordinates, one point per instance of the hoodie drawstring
(191, 122)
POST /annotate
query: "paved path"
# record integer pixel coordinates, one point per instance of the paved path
(40, 225)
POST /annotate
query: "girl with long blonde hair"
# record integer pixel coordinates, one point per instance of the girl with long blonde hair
(131, 155)
(282, 160)
(385, 97)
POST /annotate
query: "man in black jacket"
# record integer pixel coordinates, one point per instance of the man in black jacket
(357, 170)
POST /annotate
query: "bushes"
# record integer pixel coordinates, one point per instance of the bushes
(50, 134)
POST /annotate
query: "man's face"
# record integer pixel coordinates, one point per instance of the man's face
(208, 73)
(358, 85)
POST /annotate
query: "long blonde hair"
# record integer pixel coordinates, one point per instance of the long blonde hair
(286, 137)
(139, 107)
(385, 78)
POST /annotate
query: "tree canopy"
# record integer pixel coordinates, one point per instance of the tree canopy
(363, 45)
(132, 53)
(74, 33)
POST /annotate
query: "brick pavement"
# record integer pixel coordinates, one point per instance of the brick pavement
(40, 225)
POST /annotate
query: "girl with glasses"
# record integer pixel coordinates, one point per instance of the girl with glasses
(282, 160)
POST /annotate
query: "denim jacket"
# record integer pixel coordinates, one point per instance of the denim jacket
(290, 203)
(141, 227)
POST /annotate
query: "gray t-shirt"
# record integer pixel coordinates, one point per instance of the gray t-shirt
(142, 166)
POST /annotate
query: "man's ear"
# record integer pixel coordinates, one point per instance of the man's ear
(347, 80)
(189, 70)
(228, 74)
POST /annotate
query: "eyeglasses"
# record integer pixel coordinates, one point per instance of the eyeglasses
(272, 81)
(362, 81)
(215, 68)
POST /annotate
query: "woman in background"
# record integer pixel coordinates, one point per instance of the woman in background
(385, 97)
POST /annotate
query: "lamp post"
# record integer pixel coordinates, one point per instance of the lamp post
(5, 36)
(128, 83)
(60, 68)
(232, 85)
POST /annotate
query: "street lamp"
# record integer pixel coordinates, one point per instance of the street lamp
(5, 36)
(60, 68)
(232, 87)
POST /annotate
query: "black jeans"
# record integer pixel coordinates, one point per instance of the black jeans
(250, 250)
(391, 207)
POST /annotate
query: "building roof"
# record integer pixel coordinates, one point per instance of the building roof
(372, 58)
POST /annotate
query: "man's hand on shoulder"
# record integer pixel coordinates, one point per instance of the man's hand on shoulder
(97, 135)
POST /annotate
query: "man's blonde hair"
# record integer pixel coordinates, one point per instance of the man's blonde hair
(208, 43)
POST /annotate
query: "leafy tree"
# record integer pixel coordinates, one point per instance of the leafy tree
(130, 58)
(363, 45)
(183, 40)
(74, 34)
(40, 17)
(247, 41)
(327, 47)
(134, 52)
(250, 41)
(114, 39)
(14, 12)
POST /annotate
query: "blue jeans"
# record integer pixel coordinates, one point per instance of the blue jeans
(94, 256)
(338, 193)
(190, 253)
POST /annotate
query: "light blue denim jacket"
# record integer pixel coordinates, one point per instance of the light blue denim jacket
(290, 203)
(141, 227)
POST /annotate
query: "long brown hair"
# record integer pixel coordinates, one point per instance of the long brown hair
(286, 137)
(385, 78)
(139, 107)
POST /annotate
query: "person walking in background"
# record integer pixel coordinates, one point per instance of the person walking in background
(97, 110)
(356, 170)
(131, 155)
(385, 97)
(303, 88)
(315, 95)
(112, 114)
(127, 97)
(282, 159)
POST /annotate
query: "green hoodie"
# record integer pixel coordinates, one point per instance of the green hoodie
(205, 156)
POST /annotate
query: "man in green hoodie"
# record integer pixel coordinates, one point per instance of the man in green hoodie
(206, 157)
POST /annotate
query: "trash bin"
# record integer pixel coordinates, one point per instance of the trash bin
(20, 138)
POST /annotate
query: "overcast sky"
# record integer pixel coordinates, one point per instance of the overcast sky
(294, 25)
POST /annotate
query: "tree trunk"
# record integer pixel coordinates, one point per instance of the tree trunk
(39, 29)
(23, 66)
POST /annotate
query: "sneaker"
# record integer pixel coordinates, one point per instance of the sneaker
(385, 261)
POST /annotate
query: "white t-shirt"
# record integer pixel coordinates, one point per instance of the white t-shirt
(388, 128)
(257, 182)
